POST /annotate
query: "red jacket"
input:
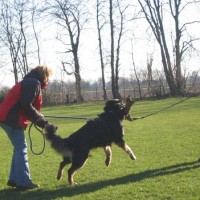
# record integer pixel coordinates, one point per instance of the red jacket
(22, 103)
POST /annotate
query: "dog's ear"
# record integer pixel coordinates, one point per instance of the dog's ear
(127, 108)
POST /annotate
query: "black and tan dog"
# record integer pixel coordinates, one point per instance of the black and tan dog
(100, 132)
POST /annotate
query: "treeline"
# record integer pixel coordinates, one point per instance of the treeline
(60, 92)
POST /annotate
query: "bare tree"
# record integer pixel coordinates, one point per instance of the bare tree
(162, 84)
(8, 36)
(112, 50)
(34, 14)
(154, 14)
(120, 34)
(15, 34)
(70, 16)
(149, 74)
(116, 32)
(100, 24)
(137, 77)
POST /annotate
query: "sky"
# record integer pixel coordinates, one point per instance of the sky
(143, 45)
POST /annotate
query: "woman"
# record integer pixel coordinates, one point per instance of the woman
(21, 105)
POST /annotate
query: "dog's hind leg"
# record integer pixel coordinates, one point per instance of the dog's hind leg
(108, 153)
(61, 167)
(78, 162)
(127, 149)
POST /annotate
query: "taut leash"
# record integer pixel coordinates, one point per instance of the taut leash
(67, 117)
(135, 118)
(156, 112)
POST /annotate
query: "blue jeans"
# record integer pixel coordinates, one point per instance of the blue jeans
(19, 172)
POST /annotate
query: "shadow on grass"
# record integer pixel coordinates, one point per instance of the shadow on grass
(67, 191)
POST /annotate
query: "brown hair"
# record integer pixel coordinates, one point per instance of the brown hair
(41, 72)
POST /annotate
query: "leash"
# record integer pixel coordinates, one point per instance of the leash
(67, 117)
(156, 112)
(135, 118)
(31, 143)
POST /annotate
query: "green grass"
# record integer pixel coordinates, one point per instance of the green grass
(167, 146)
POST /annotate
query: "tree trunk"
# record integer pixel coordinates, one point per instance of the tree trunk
(78, 78)
(112, 56)
(137, 79)
(101, 54)
(178, 55)
(149, 75)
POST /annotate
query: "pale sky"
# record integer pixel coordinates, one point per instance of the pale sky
(89, 57)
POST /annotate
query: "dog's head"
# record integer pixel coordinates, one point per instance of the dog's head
(50, 128)
(113, 105)
(117, 106)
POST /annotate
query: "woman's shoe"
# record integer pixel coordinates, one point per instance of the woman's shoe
(11, 183)
(28, 186)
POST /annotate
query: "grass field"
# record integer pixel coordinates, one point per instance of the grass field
(167, 146)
